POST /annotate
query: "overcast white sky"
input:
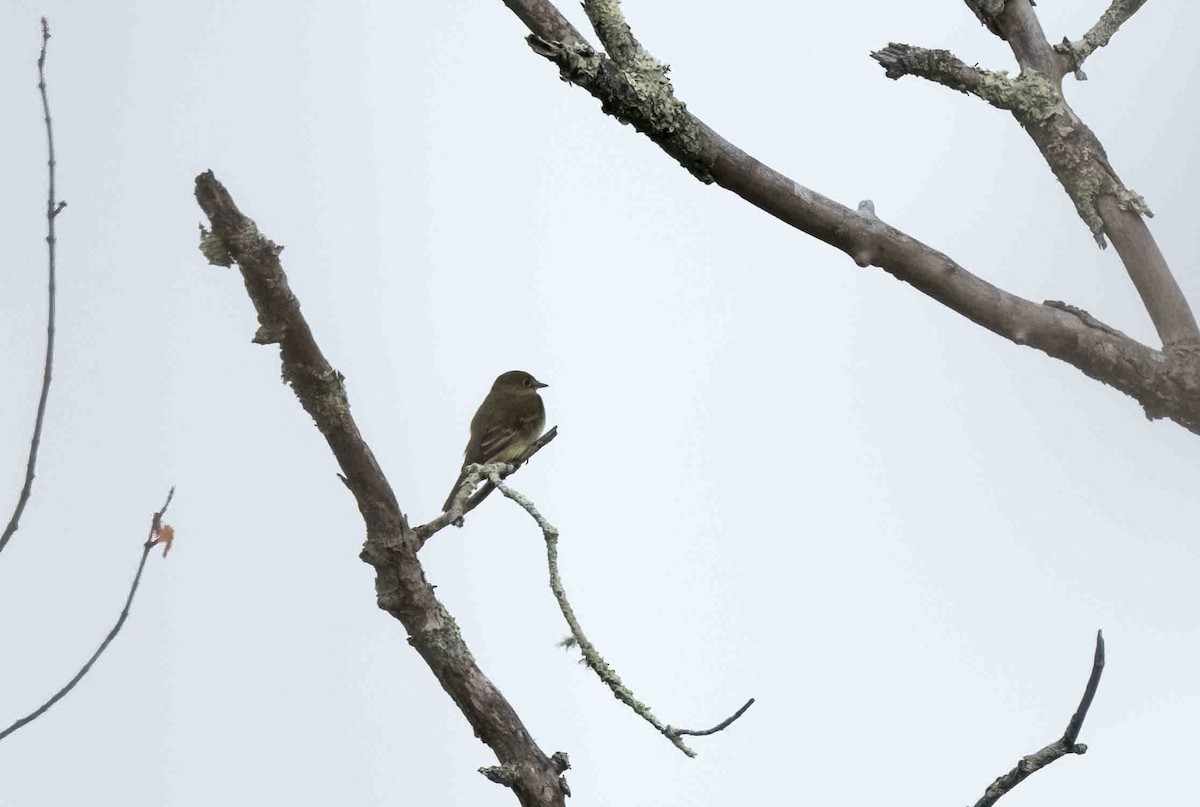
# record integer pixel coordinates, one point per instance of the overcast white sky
(778, 475)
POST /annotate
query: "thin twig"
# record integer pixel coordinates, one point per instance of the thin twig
(1089, 692)
(457, 510)
(1061, 747)
(155, 524)
(53, 208)
(724, 724)
(591, 656)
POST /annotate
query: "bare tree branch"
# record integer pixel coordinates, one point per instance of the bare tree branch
(1059, 748)
(391, 545)
(1098, 35)
(1079, 162)
(1023, 32)
(53, 208)
(986, 10)
(591, 656)
(151, 540)
(639, 94)
(542, 17)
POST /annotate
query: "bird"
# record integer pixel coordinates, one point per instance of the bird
(506, 424)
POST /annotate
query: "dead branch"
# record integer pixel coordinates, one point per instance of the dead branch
(1098, 35)
(391, 545)
(1059, 748)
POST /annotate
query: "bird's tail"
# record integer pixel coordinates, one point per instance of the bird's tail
(454, 490)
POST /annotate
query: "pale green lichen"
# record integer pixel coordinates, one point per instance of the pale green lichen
(1130, 200)
(1038, 105)
(580, 64)
(610, 25)
(1037, 99)
(1083, 180)
(633, 87)
(213, 248)
(1030, 96)
(1083, 193)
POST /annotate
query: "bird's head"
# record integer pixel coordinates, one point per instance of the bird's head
(517, 381)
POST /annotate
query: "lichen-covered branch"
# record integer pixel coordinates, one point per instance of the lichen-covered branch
(615, 35)
(1063, 746)
(591, 656)
(391, 545)
(637, 93)
(1164, 383)
(1080, 164)
(1071, 149)
(1028, 96)
(1073, 152)
(1098, 35)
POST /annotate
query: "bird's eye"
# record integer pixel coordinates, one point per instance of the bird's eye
(527, 382)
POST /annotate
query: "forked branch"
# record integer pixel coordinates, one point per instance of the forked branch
(1098, 35)
(1079, 162)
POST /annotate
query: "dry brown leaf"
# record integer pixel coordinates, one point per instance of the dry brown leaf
(165, 536)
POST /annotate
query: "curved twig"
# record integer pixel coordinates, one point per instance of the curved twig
(591, 656)
(151, 540)
(1075, 724)
(724, 724)
(1061, 747)
(53, 208)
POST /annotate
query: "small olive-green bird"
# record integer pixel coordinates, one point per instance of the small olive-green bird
(507, 423)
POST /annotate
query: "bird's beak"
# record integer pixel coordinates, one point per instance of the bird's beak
(538, 384)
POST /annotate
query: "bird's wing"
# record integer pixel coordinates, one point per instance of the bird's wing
(498, 438)
(494, 435)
